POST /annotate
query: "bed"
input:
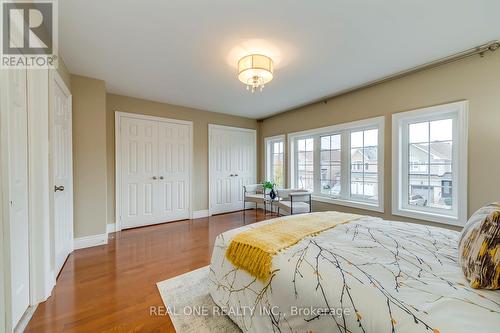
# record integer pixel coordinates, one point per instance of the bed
(368, 275)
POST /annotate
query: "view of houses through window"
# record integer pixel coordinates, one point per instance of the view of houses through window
(364, 164)
(330, 165)
(339, 163)
(430, 163)
(342, 163)
(305, 163)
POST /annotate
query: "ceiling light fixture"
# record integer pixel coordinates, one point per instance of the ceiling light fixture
(255, 70)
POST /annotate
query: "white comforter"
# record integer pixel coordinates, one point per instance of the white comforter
(369, 275)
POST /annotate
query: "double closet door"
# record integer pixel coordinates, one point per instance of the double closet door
(233, 164)
(155, 158)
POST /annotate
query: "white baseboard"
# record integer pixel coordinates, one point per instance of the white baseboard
(89, 241)
(110, 227)
(198, 214)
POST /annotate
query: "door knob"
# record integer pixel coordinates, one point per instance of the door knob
(231, 175)
(155, 178)
(236, 175)
(58, 188)
(161, 177)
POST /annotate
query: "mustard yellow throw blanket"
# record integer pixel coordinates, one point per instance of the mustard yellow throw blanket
(253, 250)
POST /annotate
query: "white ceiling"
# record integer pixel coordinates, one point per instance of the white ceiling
(184, 52)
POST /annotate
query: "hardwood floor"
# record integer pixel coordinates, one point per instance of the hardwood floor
(110, 288)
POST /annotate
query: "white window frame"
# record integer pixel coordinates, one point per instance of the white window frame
(344, 199)
(457, 111)
(268, 142)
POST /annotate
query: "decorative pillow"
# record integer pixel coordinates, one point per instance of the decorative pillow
(479, 248)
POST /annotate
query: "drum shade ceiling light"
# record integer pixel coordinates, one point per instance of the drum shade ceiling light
(255, 70)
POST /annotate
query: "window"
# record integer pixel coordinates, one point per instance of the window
(340, 163)
(330, 165)
(305, 163)
(430, 163)
(364, 164)
(275, 157)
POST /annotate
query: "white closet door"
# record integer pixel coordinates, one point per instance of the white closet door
(62, 161)
(221, 192)
(139, 171)
(18, 185)
(155, 169)
(244, 165)
(232, 165)
(174, 158)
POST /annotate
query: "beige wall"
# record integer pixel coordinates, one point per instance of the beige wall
(200, 120)
(89, 156)
(475, 79)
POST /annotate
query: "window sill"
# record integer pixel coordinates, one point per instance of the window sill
(349, 203)
(427, 216)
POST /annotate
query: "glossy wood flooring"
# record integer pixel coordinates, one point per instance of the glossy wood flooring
(110, 288)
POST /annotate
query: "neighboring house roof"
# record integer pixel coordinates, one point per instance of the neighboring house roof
(369, 154)
(438, 150)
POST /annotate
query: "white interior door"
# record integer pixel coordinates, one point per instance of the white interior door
(18, 189)
(232, 165)
(62, 171)
(155, 164)
(139, 170)
(221, 176)
(244, 165)
(174, 160)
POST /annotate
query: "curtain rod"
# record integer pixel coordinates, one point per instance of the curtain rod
(481, 50)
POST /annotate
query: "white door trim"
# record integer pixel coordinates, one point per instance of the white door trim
(58, 79)
(211, 127)
(5, 242)
(118, 162)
